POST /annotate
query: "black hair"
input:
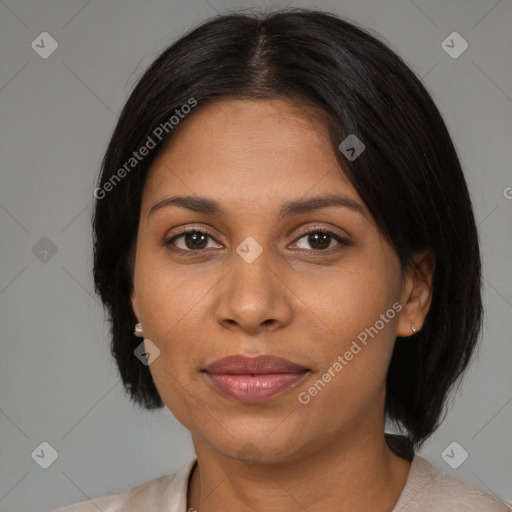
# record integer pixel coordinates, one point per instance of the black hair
(409, 177)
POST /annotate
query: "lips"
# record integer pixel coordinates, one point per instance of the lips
(260, 365)
(254, 379)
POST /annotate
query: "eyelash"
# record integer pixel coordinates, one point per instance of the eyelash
(342, 241)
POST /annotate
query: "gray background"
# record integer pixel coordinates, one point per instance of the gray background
(58, 382)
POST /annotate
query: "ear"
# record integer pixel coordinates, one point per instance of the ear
(135, 305)
(416, 293)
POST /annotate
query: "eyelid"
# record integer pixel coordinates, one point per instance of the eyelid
(324, 229)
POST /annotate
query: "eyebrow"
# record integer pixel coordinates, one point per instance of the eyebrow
(295, 207)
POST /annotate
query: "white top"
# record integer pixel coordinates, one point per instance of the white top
(427, 490)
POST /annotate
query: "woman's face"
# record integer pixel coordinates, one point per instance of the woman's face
(261, 278)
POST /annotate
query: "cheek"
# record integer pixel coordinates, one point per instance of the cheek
(352, 376)
(359, 305)
(169, 297)
(163, 304)
(170, 311)
(353, 300)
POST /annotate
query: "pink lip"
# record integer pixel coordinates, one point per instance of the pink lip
(254, 379)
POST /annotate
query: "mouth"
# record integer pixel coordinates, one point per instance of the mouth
(254, 379)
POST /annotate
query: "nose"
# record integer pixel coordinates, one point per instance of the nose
(253, 296)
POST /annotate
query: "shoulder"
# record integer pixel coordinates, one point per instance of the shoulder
(116, 502)
(162, 493)
(104, 503)
(430, 489)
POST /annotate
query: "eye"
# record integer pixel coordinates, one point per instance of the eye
(193, 240)
(321, 240)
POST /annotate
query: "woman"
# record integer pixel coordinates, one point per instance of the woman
(285, 244)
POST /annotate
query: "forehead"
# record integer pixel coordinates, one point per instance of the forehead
(248, 152)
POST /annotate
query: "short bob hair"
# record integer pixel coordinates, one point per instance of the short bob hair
(409, 177)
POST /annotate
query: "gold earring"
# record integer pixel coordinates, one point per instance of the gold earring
(413, 328)
(138, 331)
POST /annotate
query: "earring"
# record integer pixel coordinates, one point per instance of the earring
(138, 331)
(413, 328)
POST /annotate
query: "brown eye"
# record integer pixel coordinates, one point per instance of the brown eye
(192, 240)
(320, 240)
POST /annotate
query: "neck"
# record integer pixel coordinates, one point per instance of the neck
(360, 473)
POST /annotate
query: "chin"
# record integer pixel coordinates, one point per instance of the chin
(256, 442)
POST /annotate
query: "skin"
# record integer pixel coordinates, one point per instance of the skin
(297, 300)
